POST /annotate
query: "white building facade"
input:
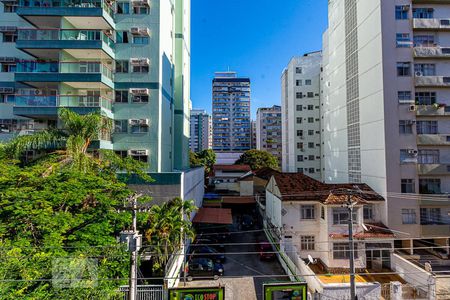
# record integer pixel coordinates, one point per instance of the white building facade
(200, 130)
(268, 130)
(300, 100)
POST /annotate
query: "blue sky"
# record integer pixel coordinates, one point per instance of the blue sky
(256, 38)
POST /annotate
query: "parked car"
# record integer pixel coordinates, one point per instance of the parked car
(203, 267)
(214, 232)
(210, 242)
(247, 222)
(266, 251)
(206, 252)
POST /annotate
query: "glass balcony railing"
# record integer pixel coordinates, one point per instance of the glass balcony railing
(64, 35)
(62, 101)
(107, 6)
(64, 67)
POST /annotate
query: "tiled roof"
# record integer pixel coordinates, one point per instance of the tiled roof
(374, 230)
(265, 173)
(299, 187)
(229, 168)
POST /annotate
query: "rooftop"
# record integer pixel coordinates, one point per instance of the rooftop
(232, 168)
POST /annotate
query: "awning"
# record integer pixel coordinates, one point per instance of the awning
(238, 200)
(213, 216)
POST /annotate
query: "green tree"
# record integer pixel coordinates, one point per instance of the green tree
(207, 158)
(258, 159)
(193, 159)
(167, 225)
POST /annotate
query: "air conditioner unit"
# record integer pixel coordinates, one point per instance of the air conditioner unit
(6, 90)
(412, 108)
(6, 59)
(418, 74)
(144, 122)
(8, 28)
(139, 91)
(144, 31)
(141, 61)
(137, 152)
(410, 122)
(134, 30)
(140, 2)
(413, 152)
(38, 92)
(109, 32)
(134, 122)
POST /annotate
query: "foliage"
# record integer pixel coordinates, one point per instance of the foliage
(205, 158)
(167, 225)
(258, 159)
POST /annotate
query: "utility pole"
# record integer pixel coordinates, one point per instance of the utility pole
(350, 205)
(134, 241)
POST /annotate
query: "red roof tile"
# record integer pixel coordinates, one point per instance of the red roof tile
(375, 230)
(229, 168)
(213, 216)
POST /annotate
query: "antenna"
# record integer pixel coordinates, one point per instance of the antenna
(311, 260)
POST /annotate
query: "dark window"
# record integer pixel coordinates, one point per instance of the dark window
(430, 186)
(140, 69)
(423, 13)
(403, 69)
(299, 107)
(122, 37)
(408, 186)
(139, 99)
(121, 126)
(298, 70)
(121, 96)
(342, 251)
(9, 37)
(121, 66)
(299, 95)
(401, 12)
(299, 120)
(123, 8)
(310, 95)
(425, 98)
(298, 82)
(140, 40)
(140, 10)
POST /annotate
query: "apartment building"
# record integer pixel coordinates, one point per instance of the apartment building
(386, 109)
(300, 103)
(201, 130)
(253, 130)
(231, 112)
(268, 130)
(128, 60)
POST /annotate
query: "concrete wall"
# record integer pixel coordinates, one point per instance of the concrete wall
(246, 188)
(194, 186)
(411, 273)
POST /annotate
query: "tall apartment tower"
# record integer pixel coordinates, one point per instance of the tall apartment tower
(300, 106)
(231, 113)
(128, 60)
(386, 108)
(200, 136)
(268, 130)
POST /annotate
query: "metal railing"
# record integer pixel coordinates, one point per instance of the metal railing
(64, 35)
(146, 292)
(107, 7)
(62, 101)
(64, 67)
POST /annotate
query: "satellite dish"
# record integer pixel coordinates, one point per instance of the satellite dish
(364, 227)
(311, 260)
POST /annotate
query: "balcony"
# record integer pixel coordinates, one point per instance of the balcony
(431, 1)
(432, 81)
(427, 24)
(82, 13)
(432, 52)
(78, 75)
(433, 139)
(435, 230)
(39, 106)
(431, 110)
(81, 44)
(433, 169)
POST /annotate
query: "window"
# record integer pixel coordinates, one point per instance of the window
(423, 13)
(425, 98)
(310, 107)
(139, 99)
(123, 8)
(340, 216)
(142, 157)
(140, 40)
(9, 37)
(307, 212)
(311, 170)
(299, 95)
(140, 69)
(9, 7)
(300, 170)
(122, 37)
(121, 153)
(342, 250)
(121, 96)
(408, 216)
(299, 107)
(408, 156)
(299, 157)
(299, 132)
(425, 69)
(121, 66)
(140, 10)
(403, 69)
(427, 127)
(299, 120)
(430, 216)
(430, 186)
(310, 132)
(322, 212)
(368, 212)
(308, 82)
(408, 186)
(300, 146)
(310, 95)
(310, 120)
(298, 70)
(307, 242)
(428, 156)
(403, 40)
(423, 40)
(405, 126)
(298, 82)
(139, 128)
(310, 145)
(404, 96)
(120, 126)
(8, 68)
(401, 12)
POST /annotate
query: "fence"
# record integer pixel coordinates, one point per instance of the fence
(146, 292)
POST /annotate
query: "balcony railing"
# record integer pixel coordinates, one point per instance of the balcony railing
(107, 6)
(433, 139)
(431, 23)
(62, 101)
(64, 35)
(432, 110)
(432, 51)
(431, 81)
(64, 67)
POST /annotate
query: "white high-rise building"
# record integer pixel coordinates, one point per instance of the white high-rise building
(300, 102)
(386, 108)
(268, 130)
(201, 131)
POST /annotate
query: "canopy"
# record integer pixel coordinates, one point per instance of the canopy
(213, 216)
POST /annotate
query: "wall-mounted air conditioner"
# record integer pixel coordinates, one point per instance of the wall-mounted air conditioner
(6, 90)
(7, 59)
(412, 152)
(412, 108)
(137, 152)
(140, 61)
(418, 74)
(139, 91)
(8, 28)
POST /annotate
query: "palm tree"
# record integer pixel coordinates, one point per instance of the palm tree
(71, 141)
